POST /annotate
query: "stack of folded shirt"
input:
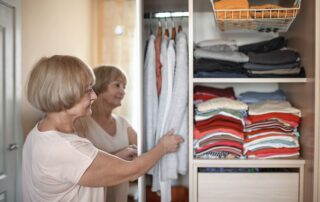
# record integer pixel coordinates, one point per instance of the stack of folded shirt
(277, 63)
(269, 59)
(271, 130)
(219, 58)
(251, 97)
(204, 93)
(218, 132)
(264, 46)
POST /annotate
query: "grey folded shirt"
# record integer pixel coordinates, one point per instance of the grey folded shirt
(221, 55)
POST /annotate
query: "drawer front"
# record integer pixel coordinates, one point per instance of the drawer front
(248, 187)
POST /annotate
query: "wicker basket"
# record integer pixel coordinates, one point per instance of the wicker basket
(267, 18)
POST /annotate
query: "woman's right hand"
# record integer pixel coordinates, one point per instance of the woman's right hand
(170, 142)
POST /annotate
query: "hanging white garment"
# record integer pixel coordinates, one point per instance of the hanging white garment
(161, 108)
(150, 95)
(174, 163)
(165, 182)
(167, 58)
(178, 111)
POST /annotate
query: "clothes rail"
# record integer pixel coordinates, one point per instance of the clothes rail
(166, 15)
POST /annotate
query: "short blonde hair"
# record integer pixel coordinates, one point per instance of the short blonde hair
(57, 83)
(105, 75)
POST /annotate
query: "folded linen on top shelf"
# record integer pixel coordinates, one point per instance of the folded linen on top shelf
(220, 74)
(217, 45)
(262, 67)
(276, 57)
(232, 56)
(219, 58)
(279, 72)
(211, 68)
(296, 72)
(264, 46)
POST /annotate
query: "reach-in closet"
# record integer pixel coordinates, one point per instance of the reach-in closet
(294, 179)
(277, 179)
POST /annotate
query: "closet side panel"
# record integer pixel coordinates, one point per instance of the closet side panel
(317, 106)
(301, 37)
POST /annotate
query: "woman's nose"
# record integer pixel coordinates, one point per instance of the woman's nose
(93, 95)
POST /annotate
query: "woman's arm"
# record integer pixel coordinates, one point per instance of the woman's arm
(132, 135)
(128, 153)
(108, 170)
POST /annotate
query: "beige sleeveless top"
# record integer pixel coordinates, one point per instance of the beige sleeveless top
(103, 141)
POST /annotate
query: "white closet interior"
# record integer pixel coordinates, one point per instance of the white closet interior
(301, 183)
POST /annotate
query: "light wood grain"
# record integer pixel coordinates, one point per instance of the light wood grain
(244, 187)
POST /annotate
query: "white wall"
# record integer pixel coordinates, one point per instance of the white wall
(52, 27)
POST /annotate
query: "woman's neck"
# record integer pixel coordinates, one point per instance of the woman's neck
(100, 110)
(59, 121)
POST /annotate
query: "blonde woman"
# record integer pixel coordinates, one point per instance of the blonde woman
(58, 165)
(107, 131)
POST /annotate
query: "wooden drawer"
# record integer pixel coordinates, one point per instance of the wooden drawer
(248, 187)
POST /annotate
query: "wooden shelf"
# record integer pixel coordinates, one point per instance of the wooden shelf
(265, 163)
(249, 80)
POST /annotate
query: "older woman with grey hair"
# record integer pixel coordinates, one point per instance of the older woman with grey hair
(108, 131)
(57, 164)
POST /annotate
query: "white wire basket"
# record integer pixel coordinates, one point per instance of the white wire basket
(273, 18)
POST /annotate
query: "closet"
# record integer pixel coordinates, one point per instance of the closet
(281, 179)
(298, 181)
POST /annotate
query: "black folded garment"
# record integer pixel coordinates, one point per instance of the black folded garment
(219, 74)
(301, 74)
(276, 57)
(212, 65)
(264, 46)
(260, 67)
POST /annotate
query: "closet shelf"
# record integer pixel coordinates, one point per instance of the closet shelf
(265, 163)
(249, 80)
(267, 18)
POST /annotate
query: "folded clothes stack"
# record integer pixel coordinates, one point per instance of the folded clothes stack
(218, 130)
(266, 59)
(270, 59)
(219, 59)
(259, 125)
(271, 129)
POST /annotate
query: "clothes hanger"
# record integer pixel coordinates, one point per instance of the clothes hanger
(159, 32)
(173, 31)
(166, 32)
(150, 24)
(180, 25)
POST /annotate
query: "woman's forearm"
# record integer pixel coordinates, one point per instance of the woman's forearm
(147, 160)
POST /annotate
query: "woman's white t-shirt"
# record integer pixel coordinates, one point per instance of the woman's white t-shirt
(52, 165)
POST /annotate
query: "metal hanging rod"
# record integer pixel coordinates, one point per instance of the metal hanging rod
(166, 15)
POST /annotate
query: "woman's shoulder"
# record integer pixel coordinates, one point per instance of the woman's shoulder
(122, 120)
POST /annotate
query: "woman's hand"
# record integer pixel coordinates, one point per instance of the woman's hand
(129, 153)
(170, 142)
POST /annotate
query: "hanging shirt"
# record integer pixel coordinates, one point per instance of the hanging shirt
(150, 95)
